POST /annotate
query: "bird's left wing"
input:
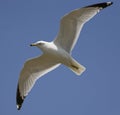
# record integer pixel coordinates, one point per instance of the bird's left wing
(32, 70)
(72, 23)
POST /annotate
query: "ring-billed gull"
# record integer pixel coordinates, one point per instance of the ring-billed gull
(58, 51)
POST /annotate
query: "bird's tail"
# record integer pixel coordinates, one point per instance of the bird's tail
(76, 67)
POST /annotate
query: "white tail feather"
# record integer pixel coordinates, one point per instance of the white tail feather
(76, 67)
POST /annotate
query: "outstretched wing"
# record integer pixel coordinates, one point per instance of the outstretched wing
(72, 23)
(32, 70)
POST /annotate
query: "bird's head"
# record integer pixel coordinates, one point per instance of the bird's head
(39, 44)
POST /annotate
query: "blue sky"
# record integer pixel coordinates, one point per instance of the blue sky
(61, 92)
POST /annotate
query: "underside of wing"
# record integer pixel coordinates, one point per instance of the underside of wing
(32, 70)
(72, 23)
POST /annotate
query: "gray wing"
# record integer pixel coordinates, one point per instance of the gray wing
(72, 23)
(32, 70)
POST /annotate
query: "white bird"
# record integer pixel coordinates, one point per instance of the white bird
(58, 51)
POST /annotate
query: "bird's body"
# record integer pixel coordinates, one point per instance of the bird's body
(58, 51)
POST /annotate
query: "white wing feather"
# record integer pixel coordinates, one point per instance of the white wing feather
(32, 70)
(71, 25)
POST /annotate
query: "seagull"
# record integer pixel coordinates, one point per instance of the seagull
(58, 51)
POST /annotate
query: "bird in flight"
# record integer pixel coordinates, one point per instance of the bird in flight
(58, 51)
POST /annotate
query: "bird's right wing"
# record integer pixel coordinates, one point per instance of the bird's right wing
(72, 23)
(32, 70)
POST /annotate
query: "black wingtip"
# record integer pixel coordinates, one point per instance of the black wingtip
(19, 99)
(101, 5)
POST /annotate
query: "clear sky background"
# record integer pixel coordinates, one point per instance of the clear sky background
(61, 92)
